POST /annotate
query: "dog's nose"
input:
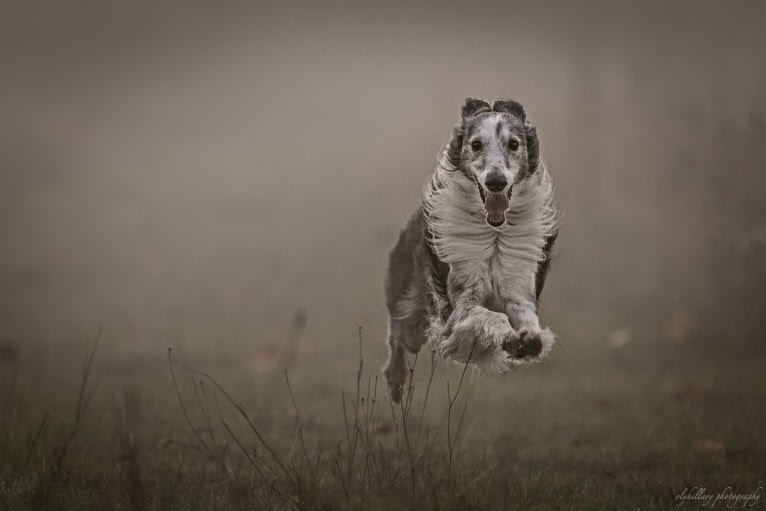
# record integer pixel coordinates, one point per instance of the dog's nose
(496, 182)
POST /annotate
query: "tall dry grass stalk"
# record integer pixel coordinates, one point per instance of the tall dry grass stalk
(373, 457)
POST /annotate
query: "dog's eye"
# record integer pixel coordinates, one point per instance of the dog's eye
(513, 144)
(476, 145)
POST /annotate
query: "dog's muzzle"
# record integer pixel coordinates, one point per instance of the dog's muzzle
(496, 203)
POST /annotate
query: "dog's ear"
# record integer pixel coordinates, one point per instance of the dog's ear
(455, 147)
(474, 106)
(471, 107)
(533, 147)
(511, 107)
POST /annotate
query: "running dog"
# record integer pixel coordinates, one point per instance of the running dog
(468, 269)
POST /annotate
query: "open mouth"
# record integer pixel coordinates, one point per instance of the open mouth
(496, 205)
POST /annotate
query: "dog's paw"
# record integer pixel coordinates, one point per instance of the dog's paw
(523, 344)
(395, 391)
(395, 377)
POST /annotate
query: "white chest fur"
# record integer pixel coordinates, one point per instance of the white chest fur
(503, 259)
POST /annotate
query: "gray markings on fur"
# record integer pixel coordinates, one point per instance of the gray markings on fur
(456, 281)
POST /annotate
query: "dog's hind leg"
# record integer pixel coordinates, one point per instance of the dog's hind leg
(404, 333)
(396, 368)
(406, 299)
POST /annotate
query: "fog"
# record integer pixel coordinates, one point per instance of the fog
(194, 174)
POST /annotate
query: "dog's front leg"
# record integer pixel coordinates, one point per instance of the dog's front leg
(472, 330)
(528, 340)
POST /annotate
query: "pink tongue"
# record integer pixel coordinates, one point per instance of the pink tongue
(496, 205)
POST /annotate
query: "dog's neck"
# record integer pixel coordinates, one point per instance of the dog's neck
(458, 226)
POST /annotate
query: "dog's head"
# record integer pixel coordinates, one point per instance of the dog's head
(496, 147)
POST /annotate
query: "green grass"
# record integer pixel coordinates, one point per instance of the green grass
(594, 427)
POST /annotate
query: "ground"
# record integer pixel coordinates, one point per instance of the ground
(616, 418)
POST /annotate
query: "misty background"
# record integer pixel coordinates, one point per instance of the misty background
(193, 174)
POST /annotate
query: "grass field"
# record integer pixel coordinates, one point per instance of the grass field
(188, 174)
(613, 420)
